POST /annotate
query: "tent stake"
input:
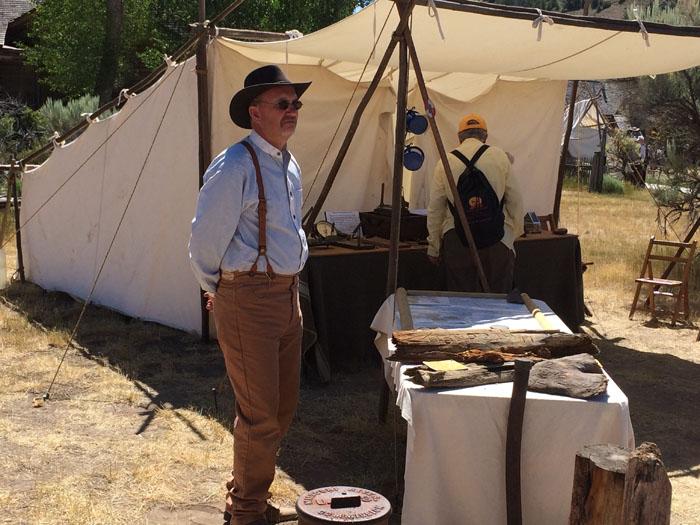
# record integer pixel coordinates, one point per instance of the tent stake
(204, 136)
(564, 150)
(445, 163)
(315, 210)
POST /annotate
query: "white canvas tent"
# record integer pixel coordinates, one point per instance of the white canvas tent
(500, 62)
(586, 131)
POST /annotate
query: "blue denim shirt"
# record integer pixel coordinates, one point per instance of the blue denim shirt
(225, 227)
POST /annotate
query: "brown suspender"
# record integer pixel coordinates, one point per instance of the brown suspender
(262, 215)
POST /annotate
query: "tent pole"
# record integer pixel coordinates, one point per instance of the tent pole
(445, 163)
(18, 235)
(204, 135)
(315, 210)
(399, 139)
(564, 150)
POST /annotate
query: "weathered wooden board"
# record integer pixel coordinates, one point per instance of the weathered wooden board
(578, 376)
(414, 346)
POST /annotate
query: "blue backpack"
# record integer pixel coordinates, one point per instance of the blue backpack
(481, 205)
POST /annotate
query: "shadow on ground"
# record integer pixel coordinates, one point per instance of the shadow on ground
(335, 439)
(664, 398)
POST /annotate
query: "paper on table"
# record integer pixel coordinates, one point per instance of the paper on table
(345, 221)
(445, 365)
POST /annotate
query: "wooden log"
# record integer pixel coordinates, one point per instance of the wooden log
(473, 375)
(437, 344)
(647, 495)
(613, 486)
(577, 376)
(599, 485)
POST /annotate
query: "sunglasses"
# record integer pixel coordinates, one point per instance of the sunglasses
(284, 105)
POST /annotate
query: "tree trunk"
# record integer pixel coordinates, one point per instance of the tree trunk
(107, 75)
(613, 486)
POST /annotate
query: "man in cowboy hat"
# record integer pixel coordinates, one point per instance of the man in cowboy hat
(246, 249)
(495, 232)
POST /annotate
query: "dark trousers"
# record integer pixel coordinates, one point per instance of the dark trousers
(498, 262)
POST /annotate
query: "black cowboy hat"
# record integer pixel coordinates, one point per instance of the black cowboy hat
(258, 81)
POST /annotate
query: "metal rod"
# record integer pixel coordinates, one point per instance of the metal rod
(204, 137)
(446, 165)
(564, 150)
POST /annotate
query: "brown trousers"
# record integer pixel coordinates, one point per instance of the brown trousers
(498, 262)
(258, 324)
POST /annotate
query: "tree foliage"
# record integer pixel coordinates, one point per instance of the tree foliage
(668, 108)
(68, 36)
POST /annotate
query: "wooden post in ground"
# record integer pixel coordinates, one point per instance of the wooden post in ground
(615, 486)
(445, 163)
(564, 149)
(18, 235)
(204, 136)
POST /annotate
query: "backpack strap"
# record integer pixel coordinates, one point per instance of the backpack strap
(262, 214)
(471, 163)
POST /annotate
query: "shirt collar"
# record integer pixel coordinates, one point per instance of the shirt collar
(265, 145)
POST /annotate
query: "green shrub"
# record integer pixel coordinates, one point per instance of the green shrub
(613, 185)
(62, 117)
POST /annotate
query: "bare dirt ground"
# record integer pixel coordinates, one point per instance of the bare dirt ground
(137, 427)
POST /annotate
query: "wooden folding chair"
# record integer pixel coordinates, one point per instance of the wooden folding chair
(662, 286)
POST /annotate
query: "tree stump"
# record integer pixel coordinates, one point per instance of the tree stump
(613, 486)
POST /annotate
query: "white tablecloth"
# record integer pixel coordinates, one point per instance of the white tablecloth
(455, 454)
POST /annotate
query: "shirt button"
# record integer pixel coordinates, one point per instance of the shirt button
(294, 216)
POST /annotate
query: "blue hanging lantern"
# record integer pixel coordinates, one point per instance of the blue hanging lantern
(415, 122)
(413, 157)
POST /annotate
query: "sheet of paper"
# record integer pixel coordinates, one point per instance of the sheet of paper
(345, 221)
(444, 366)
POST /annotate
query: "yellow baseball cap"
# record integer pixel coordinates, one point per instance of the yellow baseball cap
(472, 121)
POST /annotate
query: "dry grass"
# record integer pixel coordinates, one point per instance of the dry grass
(614, 231)
(132, 434)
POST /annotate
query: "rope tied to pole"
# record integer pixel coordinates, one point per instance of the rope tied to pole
(169, 61)
(642, 29)
(54, 140)
(537, 22)
(433, 13)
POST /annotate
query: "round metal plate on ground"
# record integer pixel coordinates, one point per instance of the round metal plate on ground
(342, 505)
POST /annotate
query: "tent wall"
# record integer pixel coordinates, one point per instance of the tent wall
(367, 163)
(523, 119)
(147, 274)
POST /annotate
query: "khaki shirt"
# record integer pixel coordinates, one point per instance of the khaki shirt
(495, 165)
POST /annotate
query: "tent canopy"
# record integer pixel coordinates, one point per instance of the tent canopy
(492, 61)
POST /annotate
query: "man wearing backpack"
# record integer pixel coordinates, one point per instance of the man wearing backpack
(492, 203)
